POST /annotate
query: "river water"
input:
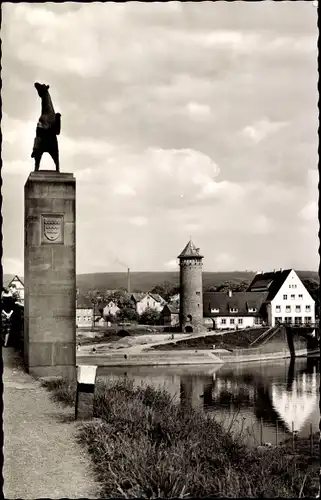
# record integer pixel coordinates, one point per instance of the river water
(264, 401)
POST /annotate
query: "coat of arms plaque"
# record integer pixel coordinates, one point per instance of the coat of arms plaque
(52, 229)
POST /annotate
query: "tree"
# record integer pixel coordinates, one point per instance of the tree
(127, 314)
(166, 290)
(110, 318)
(96, 299)
(117, 297)
(149, 317)
(230, 285)
(313, 288)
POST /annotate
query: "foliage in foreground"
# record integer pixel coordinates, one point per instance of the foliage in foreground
(143, 445)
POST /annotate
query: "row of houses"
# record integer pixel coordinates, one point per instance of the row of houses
(272, 298)
(86, 312)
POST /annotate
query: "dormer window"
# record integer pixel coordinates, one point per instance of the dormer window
(215, 310)
(233, 310)
(252, 309)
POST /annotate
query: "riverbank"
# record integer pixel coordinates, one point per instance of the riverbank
(205, 348)
(139, 356)
(143, 445)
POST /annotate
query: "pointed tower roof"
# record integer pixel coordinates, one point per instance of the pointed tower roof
(190, 251)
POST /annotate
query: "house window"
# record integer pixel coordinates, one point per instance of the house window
(288, 309)
(285, 297)
(292, 296)
(278, 309)
(297, 309)
(307, 308)
(232, 321)
(233, 310)
(298, 320)
(288, 320)
(278, 320)
(223, 321)
(300, 296)
(308, 319)
(240, 321)
(257, 321)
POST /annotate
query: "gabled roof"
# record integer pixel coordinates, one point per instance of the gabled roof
(156, 297)
(242, 301)
(11, 277)
(137, 296)
(170, 308)
(269, 282)
(190, 251)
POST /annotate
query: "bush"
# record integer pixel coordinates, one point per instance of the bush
(150, 317)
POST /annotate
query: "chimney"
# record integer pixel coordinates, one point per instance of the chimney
(128, 280)
(230, 293)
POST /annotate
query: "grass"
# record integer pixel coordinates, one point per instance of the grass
(144, 445)
(228, 340)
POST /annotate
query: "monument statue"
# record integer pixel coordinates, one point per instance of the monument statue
(48, 127)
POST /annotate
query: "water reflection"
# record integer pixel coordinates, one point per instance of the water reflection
(264, 399)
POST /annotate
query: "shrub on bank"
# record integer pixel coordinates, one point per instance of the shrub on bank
(144, 445)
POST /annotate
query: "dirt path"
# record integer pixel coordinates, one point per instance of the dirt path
(41, 456)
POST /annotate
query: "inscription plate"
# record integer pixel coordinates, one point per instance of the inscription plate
(52, 229)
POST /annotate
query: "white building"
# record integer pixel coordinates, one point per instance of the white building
(84, 312)
(233, 310)
(16, 285)
(287, 301)
(111, 308)
(144, 301)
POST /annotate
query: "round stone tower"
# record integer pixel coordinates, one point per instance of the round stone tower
(191, 291)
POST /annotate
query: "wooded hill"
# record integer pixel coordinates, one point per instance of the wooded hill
(145, 281)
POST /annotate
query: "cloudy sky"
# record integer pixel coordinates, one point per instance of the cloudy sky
(178, 120)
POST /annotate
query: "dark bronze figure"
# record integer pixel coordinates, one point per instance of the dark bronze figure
(48, 127)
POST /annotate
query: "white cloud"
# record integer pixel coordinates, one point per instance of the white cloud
(309, 212)
(198, 109)
(138, 221)
(262, 129)
(147, 110)
(124, 189)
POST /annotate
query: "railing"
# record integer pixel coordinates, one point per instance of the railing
(263, 335)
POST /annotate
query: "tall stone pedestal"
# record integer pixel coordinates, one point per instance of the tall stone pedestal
(50, 275)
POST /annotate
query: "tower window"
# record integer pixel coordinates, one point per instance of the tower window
(198, 293)
(189, 317)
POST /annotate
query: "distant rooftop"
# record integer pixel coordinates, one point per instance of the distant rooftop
(190, 251)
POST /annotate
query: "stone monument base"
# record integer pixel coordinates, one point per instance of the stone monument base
(50, 275)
